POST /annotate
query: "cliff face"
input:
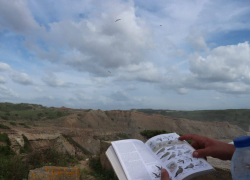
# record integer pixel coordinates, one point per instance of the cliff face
(89, 128)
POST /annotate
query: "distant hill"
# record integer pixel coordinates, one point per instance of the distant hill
(240, 117)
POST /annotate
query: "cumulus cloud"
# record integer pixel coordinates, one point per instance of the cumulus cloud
(53, 81)
(197, 41)
(2, 79)
(21, 78)
(97, 44)
(119, 96)
(15, 16)
(145, 72)
(38, 89)
(5, 92)
(4, 67)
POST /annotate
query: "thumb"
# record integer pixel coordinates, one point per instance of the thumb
(164, 174)
(202, 153)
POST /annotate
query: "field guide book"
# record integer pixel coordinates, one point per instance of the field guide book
(134, 160)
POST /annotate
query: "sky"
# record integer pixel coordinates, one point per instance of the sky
(164, 54)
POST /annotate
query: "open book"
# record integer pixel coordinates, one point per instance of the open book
(134, 160)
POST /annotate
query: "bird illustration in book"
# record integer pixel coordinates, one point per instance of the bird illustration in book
(199, 164)
(165, 155)
(172, 156)
(188, 151)
(159, 168)
(179, 153)
(180, 160)
(172, 148)
(189, 166)
(179, 171)
(157, 175)
(162, 150)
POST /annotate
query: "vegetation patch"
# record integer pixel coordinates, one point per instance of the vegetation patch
(4, 138)
(4, 127)
(18, 167)
(122, 136)
(151, 133)
(27, 147)
(107, 113)
(97, 171)
(13, 123)
(75, 144)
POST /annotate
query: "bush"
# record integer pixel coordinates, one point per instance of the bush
(27, 147)
(4, 117)
(13, 123)
(98, 172)
(4, 138)
(4, 127)
(151, 133)
(122, 136)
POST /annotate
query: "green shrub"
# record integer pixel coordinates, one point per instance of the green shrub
(4, 138)
(22, 124)
(4, 117)
(98, 172)
(4, 127)
(13, 123)
(27, 147)
(151, 133)
(6, 151)
(122, 136)
(107, 113)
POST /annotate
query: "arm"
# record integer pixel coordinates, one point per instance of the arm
(210, 147)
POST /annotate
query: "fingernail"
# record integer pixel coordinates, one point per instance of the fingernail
(195, 154)
(163, 170)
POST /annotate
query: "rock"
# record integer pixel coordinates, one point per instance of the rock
(54, 173)
(103, 158)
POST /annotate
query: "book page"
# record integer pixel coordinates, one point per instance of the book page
(176, 156)
(137, 160)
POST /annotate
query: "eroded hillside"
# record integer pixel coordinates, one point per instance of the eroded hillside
(88, 127)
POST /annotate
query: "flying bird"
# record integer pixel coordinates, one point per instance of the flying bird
(179, 171)
(189, 166)
(117, 20)
(160, 25)
(165, 155)
(157, 175)
(172, 156)
(109, 71)
(162, 150)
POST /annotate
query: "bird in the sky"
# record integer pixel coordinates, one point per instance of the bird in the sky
(109, 71)
(160, 25)
(162, 150)
(172, 156)
(117, 20)
(189, 166)
(179, 171)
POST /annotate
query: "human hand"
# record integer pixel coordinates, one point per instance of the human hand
(209, 147)
(164, 174)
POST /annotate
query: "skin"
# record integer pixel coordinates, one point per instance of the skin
(209, 147)
(164, 174)
(206, 147)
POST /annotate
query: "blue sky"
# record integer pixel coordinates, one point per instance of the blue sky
(183, 55)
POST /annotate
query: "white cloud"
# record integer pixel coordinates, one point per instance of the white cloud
(5, 92)
(97, 44)
(119, 96)
(2, 79)
(131, 87)
(53, 81)
(21, 78)
(4, 67)
(14, 15)
(38, 89)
